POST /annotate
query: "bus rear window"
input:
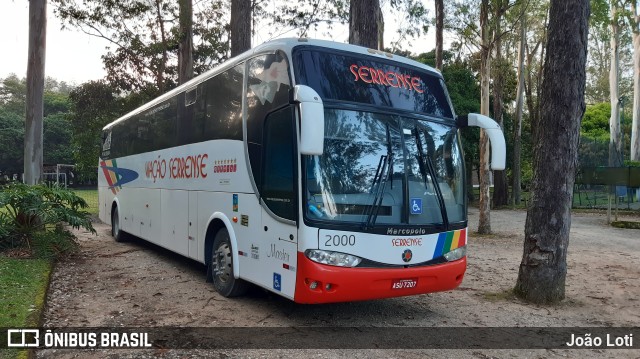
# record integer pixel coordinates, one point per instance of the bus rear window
(363, 79)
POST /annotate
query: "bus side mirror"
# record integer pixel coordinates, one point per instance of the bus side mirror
(311, 120)
(496, 137)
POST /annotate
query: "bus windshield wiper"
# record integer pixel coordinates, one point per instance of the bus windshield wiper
(426, 166)
(381, 177)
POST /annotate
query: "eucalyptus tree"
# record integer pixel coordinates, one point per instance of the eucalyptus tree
(439, 5)
(634, 22)
(615, 143)
(478, 28)
(33, 137)
(543, 269)
(240, 33)
(185, 41)
(366, 24)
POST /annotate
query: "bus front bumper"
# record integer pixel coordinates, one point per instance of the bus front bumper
(340, 284)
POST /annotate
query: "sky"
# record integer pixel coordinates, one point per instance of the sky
(71, 56)
(75, 57)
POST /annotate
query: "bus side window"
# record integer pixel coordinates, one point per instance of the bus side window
(278, 184)
(268, 84)
(223, 101)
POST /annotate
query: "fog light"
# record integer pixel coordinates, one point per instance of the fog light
(456, 254)
(328, 286)
(313, 285)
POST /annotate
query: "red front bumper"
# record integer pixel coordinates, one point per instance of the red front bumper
(352, 284)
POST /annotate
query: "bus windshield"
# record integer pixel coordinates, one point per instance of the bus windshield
(386, 169)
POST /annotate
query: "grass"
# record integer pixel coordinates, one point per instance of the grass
(626, 224)
(91, 197)
(23, 287)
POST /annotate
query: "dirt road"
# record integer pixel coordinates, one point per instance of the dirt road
(137, 284)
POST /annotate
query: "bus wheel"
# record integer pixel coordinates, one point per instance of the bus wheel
(116, 232)
(222, 267)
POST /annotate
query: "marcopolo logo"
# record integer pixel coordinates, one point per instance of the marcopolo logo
(407, 255)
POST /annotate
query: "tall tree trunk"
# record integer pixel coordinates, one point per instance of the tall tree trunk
(635, 125)
(543, 269)
(517, 128)
(535, 83)
(500, 184)
(159, 72)
(185, 46)
(484, 222)
(439, 28)
(240, 26)
(35, 91)
(363, 27)
(615, 145)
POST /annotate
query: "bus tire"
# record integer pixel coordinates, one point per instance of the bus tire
(116, 231)
(222, 267)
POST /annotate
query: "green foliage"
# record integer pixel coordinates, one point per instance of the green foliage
(54, 244)
(32, 216)
(57, 140)
(93, 105)
(55, 103)
(11, 142)
(144, 38)
(13, 95)
(595, 122)
(57, 131)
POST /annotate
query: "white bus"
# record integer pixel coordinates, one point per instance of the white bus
(323, 172)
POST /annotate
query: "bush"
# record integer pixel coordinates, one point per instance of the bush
(32, 218)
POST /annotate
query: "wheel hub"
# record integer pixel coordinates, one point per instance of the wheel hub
(222, 263)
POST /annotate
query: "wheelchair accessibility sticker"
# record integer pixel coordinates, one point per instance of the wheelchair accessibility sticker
(277, 282)
(416, 205)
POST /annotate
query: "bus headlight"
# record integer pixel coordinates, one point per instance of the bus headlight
(332, 258)
(456, 254)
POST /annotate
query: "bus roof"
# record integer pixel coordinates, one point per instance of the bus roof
(287, 45)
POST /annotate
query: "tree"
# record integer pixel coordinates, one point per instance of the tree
(35, 91)
(185, 41)
(93, 105)
(144, 37)
(482, 39)
(11, 142)
(57, 140)
(500, 184)
(635, 125)
(366, 24)
(615, 143)
(439, 28)
(543, 269)
(13, 94)
(599, 59)
(56, 129)
(240, 26)
(484, 222)
(517, 129)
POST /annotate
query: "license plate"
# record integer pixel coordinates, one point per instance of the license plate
(404, 283)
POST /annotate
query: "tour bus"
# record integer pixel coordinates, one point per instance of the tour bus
(320, 171)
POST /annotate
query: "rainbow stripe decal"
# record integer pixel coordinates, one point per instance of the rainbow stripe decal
(449, 241)
(115, 176)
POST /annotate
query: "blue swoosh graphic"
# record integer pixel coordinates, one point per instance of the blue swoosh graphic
(123, 175)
